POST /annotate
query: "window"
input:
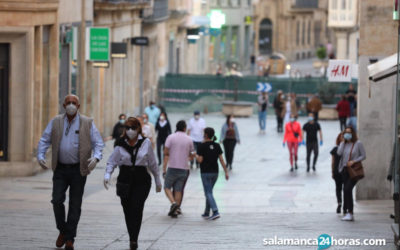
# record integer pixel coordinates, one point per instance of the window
(343, 4)
(223, 3)
(309, 33)
(235, 3)
(334, 4)
(303, 33)
(350, 4)
(214, 3)
(298, 33)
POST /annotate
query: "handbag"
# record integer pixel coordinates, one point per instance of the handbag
(294, 133)
(356, 171)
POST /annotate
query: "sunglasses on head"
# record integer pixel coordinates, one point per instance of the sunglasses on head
(130, 127)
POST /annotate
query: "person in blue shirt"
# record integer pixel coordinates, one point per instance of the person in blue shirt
(153, 112)
(76, 149)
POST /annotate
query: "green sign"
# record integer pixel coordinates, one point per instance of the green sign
(396, 6)
(98, 44)
(217, 19)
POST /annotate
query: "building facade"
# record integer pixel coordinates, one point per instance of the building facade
(376, 101)
(344, 21)
(29, 40)
(294, 28)
(233, 42)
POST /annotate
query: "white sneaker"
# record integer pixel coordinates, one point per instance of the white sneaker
(348, 217)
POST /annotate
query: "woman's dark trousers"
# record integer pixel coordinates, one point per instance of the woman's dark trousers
(229, 146)
(348, 191)
(133, 204)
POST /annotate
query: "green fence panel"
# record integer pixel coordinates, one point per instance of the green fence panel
(185, 93)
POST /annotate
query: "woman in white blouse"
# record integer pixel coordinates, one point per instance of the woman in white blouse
(135, 156)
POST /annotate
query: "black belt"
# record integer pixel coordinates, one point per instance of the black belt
(74, 165)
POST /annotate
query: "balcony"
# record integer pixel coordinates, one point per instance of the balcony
(113, 5)
(158, 13)
(306, 4)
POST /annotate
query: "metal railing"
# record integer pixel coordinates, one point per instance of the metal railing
(126, 1)
(159, 12)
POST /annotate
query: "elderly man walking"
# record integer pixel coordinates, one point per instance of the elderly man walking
(76, 149)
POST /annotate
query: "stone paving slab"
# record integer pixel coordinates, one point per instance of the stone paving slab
(262, 199)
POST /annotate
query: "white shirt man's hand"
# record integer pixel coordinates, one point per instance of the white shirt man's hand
(92, 163)
(158, 189)
(42, 163)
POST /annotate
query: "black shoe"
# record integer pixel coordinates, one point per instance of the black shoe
(339, 207)
(308, 169)
(133, 245)
(291, 169)
(313, 168)
(179, 211)
(172, 210)
(295, 165)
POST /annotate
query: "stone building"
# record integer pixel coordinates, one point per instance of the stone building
(344, 21)
(233, 43)
(29, 40)
(294, 28)
(376, 101)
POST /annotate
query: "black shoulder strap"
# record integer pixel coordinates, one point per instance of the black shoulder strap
(131, 150)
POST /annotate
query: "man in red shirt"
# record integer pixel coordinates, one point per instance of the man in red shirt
(343, 108)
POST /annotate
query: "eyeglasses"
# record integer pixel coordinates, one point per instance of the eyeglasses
(131, 127)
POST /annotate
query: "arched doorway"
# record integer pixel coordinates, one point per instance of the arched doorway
(265, 37)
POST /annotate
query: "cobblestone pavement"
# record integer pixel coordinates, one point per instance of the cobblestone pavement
(262, 199)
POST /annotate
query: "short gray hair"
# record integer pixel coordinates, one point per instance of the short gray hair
(71, 95)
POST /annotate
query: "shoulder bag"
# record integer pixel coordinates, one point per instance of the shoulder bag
(356, 171)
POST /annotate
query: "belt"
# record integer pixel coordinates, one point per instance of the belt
(74, 165)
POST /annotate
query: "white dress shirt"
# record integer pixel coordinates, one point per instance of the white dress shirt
(69, 145)
(145, 157)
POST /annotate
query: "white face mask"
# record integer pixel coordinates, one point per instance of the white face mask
(131, 133)
(71, 109)
(232, 120)
(196, 117)
(162, 118)
(144, 120)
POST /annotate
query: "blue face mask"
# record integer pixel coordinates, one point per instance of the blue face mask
(347, 136)
(292, 119)
(310, 118)
(122, 121)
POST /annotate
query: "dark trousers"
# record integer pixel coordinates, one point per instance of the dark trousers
(160, 143)
(133, 204)
(64, 177)
(279, 121)
(348, 186)
(312, 147)
(342, 121)
(339, 187)
(195, 145)
(229, 148)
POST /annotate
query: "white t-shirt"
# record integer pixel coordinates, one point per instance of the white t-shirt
(196, 128)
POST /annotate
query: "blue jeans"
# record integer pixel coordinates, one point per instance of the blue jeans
(352, 121)
(209, 180)
(262, 119)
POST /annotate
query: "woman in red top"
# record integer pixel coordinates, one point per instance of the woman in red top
(293, 136)
(343, 108)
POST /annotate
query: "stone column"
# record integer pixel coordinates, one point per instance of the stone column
(341, 44)
(38, 85)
